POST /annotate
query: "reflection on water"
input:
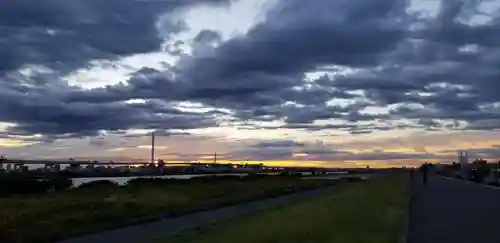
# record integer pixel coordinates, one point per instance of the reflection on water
(123, 180)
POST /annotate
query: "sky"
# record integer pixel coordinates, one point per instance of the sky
(341, 83)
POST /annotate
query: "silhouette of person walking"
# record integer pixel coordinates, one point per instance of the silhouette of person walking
(424, 171)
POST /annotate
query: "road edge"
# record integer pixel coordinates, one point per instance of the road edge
(471, 182)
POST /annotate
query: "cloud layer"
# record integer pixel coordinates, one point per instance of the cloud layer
(377, 65)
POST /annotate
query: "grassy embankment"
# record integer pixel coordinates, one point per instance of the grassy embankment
(50, 217)
(369, 212)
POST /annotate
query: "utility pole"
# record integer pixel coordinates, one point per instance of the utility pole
(152, 147)
(215, 158)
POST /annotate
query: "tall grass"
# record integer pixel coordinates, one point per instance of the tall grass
(368, 212)
(103, 205)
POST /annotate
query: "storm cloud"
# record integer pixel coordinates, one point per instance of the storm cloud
(66, 34)
(435, 72)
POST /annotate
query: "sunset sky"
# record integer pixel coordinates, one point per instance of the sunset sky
(344, 83)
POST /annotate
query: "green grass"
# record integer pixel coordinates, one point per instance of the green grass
(368, 212)
(50, 217)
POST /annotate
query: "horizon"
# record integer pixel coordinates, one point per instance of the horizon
(385, 83)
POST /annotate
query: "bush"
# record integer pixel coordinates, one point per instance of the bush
(148, 181)
(353, 178)
(289, 174)
(98, 184)
(17, 184)
(59, 183)
(12, 186)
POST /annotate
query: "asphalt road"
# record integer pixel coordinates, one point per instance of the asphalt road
(149, 231)
(453, 211)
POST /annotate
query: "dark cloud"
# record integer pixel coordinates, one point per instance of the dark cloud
(317, 152)
(159, 133)
(207, 36)
(271, 58)
(435, 73)
(452, 16)
(352, 128)
(278, 143)
(299, 36)
(168, 133)
(66, 34)
(34, 113)
(98, 142)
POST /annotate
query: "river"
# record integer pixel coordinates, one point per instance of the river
(123, 180)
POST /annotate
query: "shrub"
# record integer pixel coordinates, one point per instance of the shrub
(353, 178)
(148, 181)
(12, 185)
(289, 174)
(98, 184)
(59, 183)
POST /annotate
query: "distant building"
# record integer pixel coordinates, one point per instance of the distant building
(463, 158)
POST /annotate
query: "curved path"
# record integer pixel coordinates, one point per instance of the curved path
(453, 211)
(149, 231)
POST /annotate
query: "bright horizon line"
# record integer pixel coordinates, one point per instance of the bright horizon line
(276, 163)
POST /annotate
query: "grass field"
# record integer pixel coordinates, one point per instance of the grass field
(50, 217)
(368, 212)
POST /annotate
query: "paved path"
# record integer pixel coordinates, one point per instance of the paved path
(452, 211)
(149, 231)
